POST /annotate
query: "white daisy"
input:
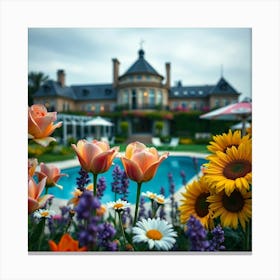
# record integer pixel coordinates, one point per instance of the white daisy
(160, 199)
(150, 195)
(118, 205)
(43, 213)
(157, 233)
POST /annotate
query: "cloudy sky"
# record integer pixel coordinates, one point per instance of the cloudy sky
(197, 56)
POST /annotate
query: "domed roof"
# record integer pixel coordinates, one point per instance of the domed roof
(141, 66)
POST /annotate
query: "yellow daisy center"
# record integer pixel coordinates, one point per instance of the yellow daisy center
(201, 205)
(237, 168)
(160, 200)
(118, 205)
(44, 214)
(154, 234)
(234, 202)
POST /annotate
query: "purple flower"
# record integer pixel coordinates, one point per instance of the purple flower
(106, 232)
(162, 213)
(197, 235)
(142, 211)
(117, 177)
(217, 239)
(124, 186)
(184, 179)
(101, 186)
(172, 192)
(82, 180)
(87, 204)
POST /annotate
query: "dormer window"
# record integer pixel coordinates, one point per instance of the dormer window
(108, 91)
(200, 92)
(176, 92)
(85, 92)
(185, 92)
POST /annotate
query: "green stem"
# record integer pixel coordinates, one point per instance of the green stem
(248, 236)
(121, 226)
(41, 234)
(94, 183)
(137, 202)
(46, 190)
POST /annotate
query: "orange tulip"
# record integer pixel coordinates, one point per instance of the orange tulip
(34, 191)
(96, 156)
(52, 173)
(141, 163)
(41, 124)
(66, 243)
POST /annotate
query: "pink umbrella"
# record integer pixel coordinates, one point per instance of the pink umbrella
(238, 111)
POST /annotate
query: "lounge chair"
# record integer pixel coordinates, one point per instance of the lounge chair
(156, 142)
(174, 142)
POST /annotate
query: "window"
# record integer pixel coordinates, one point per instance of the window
(194, 105)
(176, 92)
(200, 92)
(184, 105)
(185, 92)
(217, 103)
(125, 97)
(139, 77)
(192, 92)
(152, 97)
(159, 98)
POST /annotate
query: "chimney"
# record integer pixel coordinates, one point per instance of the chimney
(116, 64)
(61, 77)
(167, 67)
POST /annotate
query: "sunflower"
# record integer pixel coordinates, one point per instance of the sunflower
(224, 141)
(237, 207)
(195, 203)
(231, 170)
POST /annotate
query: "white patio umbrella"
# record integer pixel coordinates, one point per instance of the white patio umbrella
(239, 125)
(237, 111)
(99, 122)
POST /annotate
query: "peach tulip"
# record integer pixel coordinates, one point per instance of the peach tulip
(140, 162)
(95, 156)
(66, 243)
(32, 164)
(41, 124)
(52, 173)
(34, 191)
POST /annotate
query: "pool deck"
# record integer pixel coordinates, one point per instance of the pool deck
(57, 202)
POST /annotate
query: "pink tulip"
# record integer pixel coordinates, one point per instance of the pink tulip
(95, 156)
(34, 191)
(52, 173)
(141, 163)
(41, 124)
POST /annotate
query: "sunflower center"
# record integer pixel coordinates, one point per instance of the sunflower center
(154, 234)
(234, 202)
(237, 168)
(118, 205)
(201, 205)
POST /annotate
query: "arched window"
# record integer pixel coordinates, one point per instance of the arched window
(152, 97)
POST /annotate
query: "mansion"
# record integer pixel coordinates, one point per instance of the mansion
(140, 89)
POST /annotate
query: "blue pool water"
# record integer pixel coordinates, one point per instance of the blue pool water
(173, 164)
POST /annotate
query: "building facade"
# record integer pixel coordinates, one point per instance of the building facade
(140, 89)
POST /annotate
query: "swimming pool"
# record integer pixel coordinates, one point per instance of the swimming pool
(173, 165)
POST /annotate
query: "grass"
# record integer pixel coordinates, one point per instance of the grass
(68, 153)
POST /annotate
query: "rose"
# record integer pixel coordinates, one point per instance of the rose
(52, 173)
(96, 156)
(141, 163)
(41, 124)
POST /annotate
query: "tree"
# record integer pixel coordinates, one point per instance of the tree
(35, 81)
